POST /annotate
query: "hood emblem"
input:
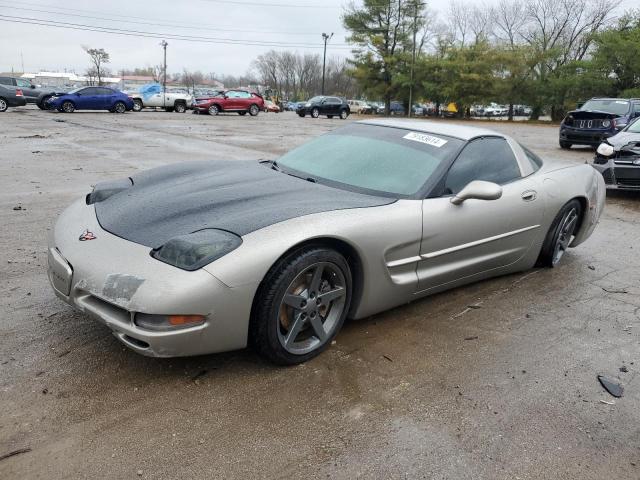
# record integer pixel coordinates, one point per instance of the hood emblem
(87, 235)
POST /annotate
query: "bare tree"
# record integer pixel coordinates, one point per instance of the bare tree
(509, 21)
(99, 58)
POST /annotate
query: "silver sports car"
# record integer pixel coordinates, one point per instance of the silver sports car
(204, 257)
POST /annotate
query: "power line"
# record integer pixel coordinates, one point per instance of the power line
(262, 4)
(144, 34)
(155, 24)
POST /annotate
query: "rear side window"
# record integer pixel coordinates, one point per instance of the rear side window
(23, 83)
(534, 160)
(489, 159)
(5, 81)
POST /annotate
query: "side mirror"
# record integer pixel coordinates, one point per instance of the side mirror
(32, 86)
(78, 94)
(480, 190)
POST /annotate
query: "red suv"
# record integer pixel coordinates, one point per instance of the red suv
(239, 101)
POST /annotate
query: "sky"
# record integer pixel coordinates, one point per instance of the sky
(226, 25)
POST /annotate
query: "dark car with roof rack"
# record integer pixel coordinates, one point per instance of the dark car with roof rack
(597, 120)
(618, 159)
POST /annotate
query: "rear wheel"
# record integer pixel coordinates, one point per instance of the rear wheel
(68, 107)
(560, 235)
(137, 105)
(565, 145)
(315, 113)
(3, 105)
(214, 110)
(254, 110)
(119, 107)
(301, 305)
(180, 107)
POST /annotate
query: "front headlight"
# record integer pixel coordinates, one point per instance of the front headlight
(308, 105)
(605, 150)
(197, 249)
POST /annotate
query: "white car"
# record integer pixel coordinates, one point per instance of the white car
(356, 106)
(170, 101)
(495, 110)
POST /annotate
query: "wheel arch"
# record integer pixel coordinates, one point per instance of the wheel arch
(346, 249)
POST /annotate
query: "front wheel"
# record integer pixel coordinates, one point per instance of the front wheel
(301, 305)
(315, 113)
(3, 105)
(254, 110)
(137, 105)
(68, 107)
(180, 107)
(560, 235)
(214, 110)
(565, 145)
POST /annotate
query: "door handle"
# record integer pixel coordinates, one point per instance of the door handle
(529, 195)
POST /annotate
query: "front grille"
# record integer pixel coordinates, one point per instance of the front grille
(584, 138)
(591, 123)
(629, 182)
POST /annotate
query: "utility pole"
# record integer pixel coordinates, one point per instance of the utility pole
(164, 44)
(326, 38)
(413, 58)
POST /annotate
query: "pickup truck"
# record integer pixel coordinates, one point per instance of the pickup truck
(152, 96)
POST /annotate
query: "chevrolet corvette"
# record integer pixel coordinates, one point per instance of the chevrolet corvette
(203, 257)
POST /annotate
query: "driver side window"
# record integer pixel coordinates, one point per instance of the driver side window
(489, 159)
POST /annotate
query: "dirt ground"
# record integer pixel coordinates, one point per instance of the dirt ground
(433, 390)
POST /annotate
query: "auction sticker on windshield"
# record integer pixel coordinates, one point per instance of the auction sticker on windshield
(424, 138)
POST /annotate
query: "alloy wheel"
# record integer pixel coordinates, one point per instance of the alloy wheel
(68, 107)
(213, 110)
(120, 107)
(565, 235)
(137, 105)
(254, 110)
(3, 105)
(315, 113)
(311, 308)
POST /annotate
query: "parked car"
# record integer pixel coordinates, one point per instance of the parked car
(91, 98)
(597, 120)
(31, 93)
(203, 257)
(240, 101)
(369, 108)
(11, 98)
(397, 108)
(323, 105)
(357, 106)
(152, 96)
(618, 158)
(269, 106)
(495, 110)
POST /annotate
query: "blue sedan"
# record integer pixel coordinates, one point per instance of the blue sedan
(91, 98)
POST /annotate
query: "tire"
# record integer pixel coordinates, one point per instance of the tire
(137, 105)
(242, 114)
(565, 145)
(119, 107)
(42, 104)
(560, 234)
(315, 113)
(179, 107)
(301, 115)
(344, 114)
(254, 110)
(329, 116)
(67, 107)
(214, 110)
(3, 105)
(290, 323)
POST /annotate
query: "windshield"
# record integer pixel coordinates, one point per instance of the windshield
(315, 99)
(76, 90)
(382, 159)
(619, 107)
(634, 127)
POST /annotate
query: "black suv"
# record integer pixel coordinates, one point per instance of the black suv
(329, 106)
(596, 120)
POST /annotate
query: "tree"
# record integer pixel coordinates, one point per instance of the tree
(98, 58)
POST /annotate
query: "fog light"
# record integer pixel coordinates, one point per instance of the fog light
(163, 323)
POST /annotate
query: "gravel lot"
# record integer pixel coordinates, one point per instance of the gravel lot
(429, 390)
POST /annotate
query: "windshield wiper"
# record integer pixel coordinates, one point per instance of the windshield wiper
(278, 168)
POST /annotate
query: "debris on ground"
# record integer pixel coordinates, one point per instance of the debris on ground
(475, 306)
(36, 151)
(387, 358)
(624, 369)
(611, 386)
(37, 135)
(591, 267)
(607, 403)
(615, 290)
(19, 207)
(14, 453)
(472, 338)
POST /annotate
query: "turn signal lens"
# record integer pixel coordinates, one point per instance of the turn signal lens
(163, 323)
(185, 319)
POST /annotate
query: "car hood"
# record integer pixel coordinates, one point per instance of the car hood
(238, 196)
(592, 114)
(624, 138)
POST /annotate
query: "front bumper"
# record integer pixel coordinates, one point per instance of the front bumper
(592, 137)
(18, 102)
(618, 174)
(112, 279)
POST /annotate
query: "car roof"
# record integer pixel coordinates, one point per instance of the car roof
(463, 132)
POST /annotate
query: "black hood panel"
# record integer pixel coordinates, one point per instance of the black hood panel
(592, 114)
(236, 196)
